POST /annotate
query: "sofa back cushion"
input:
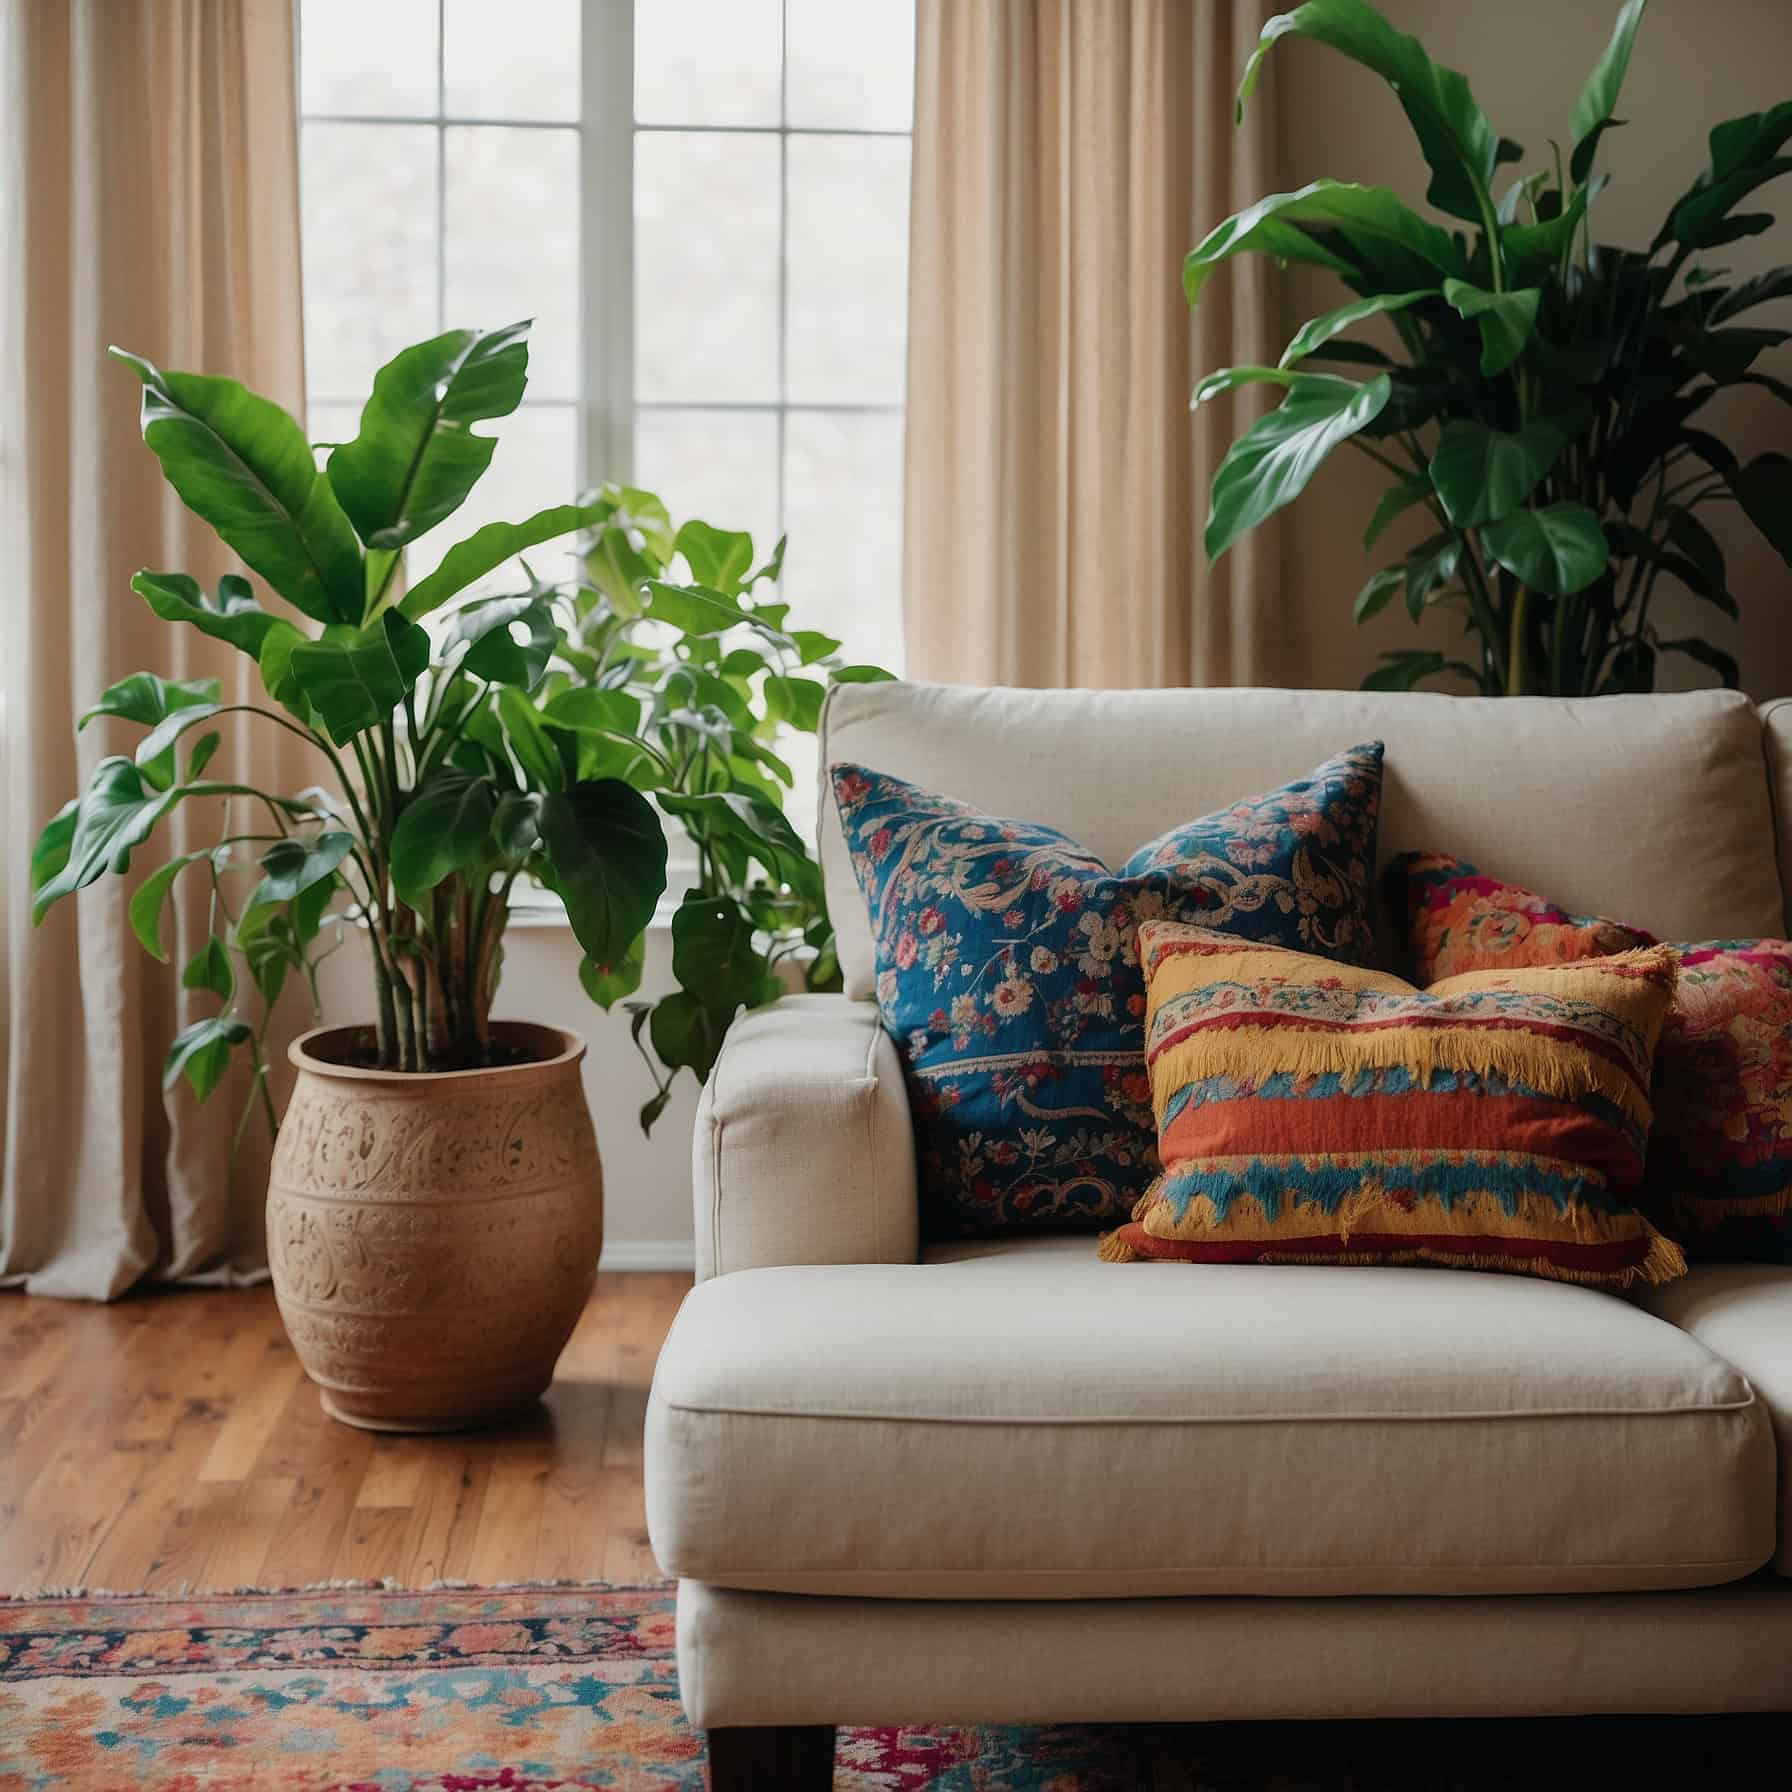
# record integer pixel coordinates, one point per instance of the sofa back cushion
(1653, 808)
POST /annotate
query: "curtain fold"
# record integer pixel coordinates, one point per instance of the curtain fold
(1067, 155)
(150, 170)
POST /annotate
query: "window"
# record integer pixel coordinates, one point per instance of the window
(704, 206)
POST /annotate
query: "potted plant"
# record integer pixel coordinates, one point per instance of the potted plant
(685, 678)
(435, 1205)
(1543, 405)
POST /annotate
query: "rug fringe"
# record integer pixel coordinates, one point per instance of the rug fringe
(388, 1584)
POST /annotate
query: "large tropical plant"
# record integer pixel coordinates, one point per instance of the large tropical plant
(1542, 407)
(441, 782)
(687, 679)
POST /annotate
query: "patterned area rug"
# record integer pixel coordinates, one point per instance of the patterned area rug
(523, 1689)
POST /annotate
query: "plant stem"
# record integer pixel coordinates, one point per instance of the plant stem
(1515, 669)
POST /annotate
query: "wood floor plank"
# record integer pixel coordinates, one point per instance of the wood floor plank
(327, 1461)
(172, 1440)
(246, 1531)
(251, 1421)
(439, 1541)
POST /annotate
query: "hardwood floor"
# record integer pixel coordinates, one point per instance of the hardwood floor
(171, 1441)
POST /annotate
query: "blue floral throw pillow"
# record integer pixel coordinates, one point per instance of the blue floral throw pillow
(1008, 974)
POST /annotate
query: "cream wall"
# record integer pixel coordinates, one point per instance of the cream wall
(1697, 62)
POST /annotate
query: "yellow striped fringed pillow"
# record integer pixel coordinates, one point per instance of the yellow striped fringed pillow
(1312, 1112)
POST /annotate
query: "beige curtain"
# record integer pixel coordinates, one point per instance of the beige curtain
(148, 161)
(1068, 153)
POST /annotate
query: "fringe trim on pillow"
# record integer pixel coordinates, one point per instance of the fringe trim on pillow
(1558, 1069)
(1114, 1249)
(1691, 1209)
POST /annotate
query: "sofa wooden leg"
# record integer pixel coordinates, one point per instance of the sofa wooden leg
(777, 1758)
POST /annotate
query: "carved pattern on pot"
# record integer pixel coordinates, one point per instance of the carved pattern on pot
(434, 1239)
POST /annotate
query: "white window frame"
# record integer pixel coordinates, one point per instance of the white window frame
(606, 404)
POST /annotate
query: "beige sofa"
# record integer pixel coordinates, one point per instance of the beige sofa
(1009, 1483)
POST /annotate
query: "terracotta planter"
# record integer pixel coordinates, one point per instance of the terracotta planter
(433, 1238)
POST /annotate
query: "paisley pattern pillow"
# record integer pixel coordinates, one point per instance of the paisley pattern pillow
(1719, 1174)
(1008, 974)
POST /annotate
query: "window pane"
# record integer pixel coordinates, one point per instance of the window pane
(536, 465)
(721, 466)
(328, 424)
(706, 267)
(707, 61)
(355, 56)
(519, 59)
(369, 193)
(852, 64)
(848, 261)
(513, 243)
(843, 508)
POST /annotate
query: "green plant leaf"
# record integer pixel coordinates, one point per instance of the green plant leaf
(1394, 501)
(1763, 488)
(416, 457)
(169, 707)
(1558, 550)
(242, 464)
(534, 748)
(860, 675)
(1761, 289)
(1454, 135)
(494, 653)
(1229, 379)
(1429, 566)
(1723, 664)
(203, 1051)
(685, 1036)
(445, 828)
(1506, 320)
(1374, 596)
(1534, 252)
(113, 815)
(49, 855)
(1482, 474)
(209, 968)
(293, 865)
(713, 954)
(147, 698)
(516, 825)
(236, 617)
(752, 823)
(1599, 97)
(487, 549)
(350, 677)
(795, 701)
(619, 570)
(1744, 156)
(607, 984)
(812, 645)
(1404, 671)
(149, 902)
(607, 855)
(1386, 235)
(1321, 330)
(718, 558)
(693, 609)
(1271, 463)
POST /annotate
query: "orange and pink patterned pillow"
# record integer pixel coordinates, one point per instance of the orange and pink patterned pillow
(1312, 1112)
(1719, 1176)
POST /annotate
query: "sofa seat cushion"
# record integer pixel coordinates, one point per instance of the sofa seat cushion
(1744, 1312)
(1027, 1422)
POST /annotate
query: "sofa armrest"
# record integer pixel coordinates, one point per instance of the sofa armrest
(803, 1152)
